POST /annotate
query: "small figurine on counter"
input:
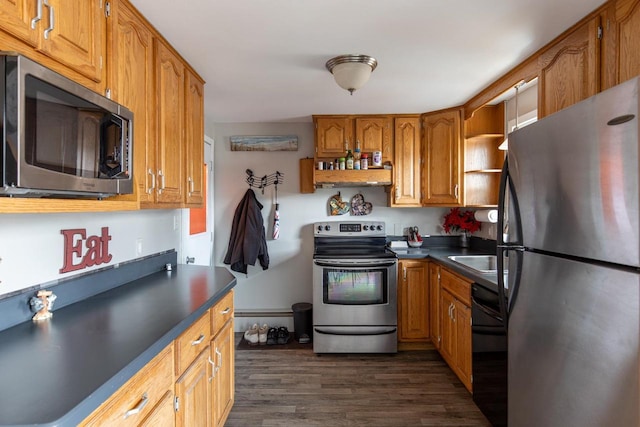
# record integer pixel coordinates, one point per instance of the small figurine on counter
(42, 303)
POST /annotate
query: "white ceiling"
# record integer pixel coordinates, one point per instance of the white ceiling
(264, 61)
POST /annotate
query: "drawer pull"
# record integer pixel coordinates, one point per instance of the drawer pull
(139, 408)
(199, 340)
(226, 310)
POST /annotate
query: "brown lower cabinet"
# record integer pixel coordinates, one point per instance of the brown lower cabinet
(455, 324)
(413, 301)
(190, 383)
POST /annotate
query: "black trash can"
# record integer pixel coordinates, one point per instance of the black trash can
(302, 322)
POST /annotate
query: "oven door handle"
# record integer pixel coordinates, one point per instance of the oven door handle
(352, 263)
(487, 310)
(327, 330)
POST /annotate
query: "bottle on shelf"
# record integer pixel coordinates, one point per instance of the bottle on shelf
(341, 162)
(349, 160)
(364, 161)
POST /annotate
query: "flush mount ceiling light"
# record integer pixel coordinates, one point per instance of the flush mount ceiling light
(351, 72)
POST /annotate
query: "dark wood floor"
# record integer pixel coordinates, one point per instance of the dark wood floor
(300, 388)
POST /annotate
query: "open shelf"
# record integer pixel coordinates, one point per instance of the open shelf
(484, 132)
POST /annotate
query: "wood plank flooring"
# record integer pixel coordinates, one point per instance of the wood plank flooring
(299, 388)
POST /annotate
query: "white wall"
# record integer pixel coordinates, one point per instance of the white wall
(32, 247)
(288, 279)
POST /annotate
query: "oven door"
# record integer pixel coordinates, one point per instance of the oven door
(355, 292)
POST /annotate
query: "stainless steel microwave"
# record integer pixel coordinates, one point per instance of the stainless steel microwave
(60, 139)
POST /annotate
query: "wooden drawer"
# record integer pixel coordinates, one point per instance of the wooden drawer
(459, 287)
(221, 313)
(191, 342)
(137, 398)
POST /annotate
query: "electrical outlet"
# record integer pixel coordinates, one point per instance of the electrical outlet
(138, 246)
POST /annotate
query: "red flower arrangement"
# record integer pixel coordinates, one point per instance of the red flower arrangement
(460, 220)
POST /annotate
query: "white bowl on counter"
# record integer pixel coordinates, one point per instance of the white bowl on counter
(415, 244)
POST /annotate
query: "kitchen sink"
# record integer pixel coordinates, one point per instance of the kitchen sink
(479, 263)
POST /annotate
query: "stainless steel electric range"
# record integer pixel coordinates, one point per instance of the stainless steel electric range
(354, 289)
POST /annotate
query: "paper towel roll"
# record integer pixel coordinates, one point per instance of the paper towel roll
(487, 215)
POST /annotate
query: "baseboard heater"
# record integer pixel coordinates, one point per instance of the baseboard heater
(262, 313)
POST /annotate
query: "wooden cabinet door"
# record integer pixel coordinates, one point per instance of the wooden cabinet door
(462, 319)
(334, 136)
(447, 327)
(162, 415)
(434, 304)
(407, 162)
(130, 78)
(223, 388)
(16, 18)
(413, 294)
(193, 394)
(194, 140)
(442, 158)
(374, 134)
(626, 55)
(569, 71)
(77, 35)
(170, 125)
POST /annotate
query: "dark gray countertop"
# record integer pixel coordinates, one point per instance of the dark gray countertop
(441, 254)
(57, 372)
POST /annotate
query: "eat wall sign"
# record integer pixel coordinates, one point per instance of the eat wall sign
(82, 251)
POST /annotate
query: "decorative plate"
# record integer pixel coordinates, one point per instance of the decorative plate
(337, 206)
(359, 206)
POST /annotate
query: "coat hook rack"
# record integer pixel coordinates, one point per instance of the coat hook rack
(260, 183)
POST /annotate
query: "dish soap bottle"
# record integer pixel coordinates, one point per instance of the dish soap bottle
(349, 159)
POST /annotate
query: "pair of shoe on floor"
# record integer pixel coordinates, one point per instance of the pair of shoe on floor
(264, 335)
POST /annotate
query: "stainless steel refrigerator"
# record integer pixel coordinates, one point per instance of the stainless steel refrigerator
(570, 190)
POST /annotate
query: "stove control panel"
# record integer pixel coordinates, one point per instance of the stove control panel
(350, 228)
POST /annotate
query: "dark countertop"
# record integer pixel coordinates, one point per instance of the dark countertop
(57, 372)
(441, 254)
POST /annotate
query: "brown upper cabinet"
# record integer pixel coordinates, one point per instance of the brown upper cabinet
(621, 57)
(569, 70)
(137, 69)
(407, 171)
(70, 32)
(442, 148)
(194, 140)
(167, 100)
(337, 134)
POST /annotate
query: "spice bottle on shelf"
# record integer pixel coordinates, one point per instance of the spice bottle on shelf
(349, 159)
(341, 162)
(364, 161)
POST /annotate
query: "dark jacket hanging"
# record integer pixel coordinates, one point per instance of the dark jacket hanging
(247, 241)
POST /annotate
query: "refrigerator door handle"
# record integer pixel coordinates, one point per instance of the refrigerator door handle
(505, 247)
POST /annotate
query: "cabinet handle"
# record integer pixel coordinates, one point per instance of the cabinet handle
(219, 359)
(38, 16)
(52, 22)
(453, 315)
(450, 311)
(199, 340)
(190, 181)
(226, 310)
(213, 369)
(404, 273)
(153, 181)
(161, 179)
(139, 408)
(456, 191)
(397, 193)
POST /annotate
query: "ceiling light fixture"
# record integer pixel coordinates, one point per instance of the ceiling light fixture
(351, 72)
